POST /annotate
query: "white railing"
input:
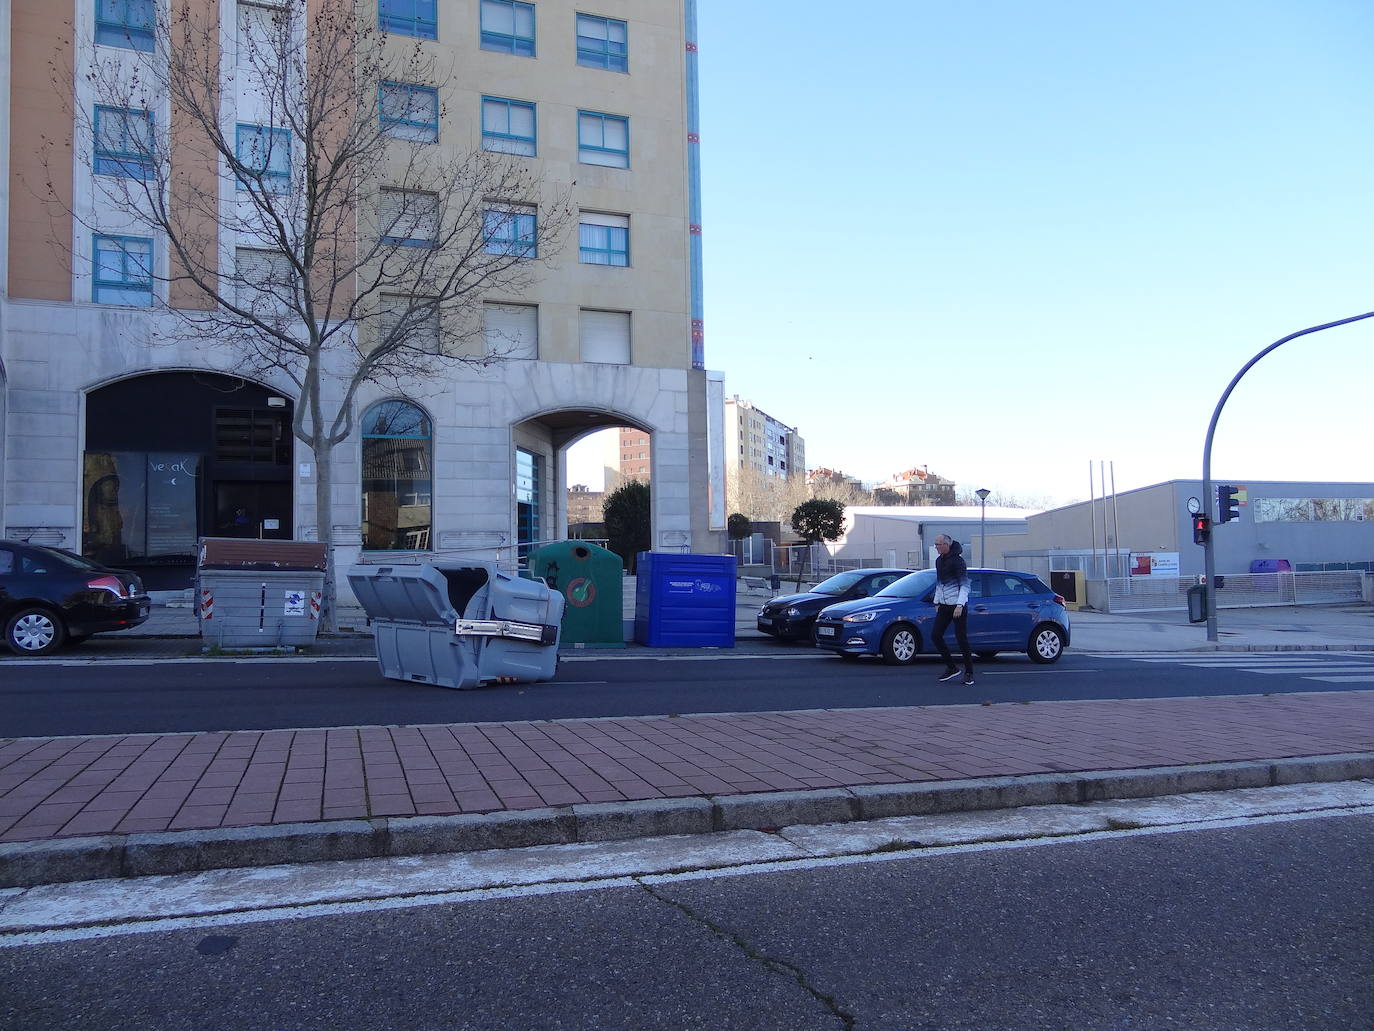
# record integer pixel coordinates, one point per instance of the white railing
(1234, 590)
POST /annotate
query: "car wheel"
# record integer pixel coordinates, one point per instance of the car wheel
(1046, 644)
(987, 655)
(900, 646)
(34, 631)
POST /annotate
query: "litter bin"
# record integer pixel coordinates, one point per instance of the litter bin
(592, 582)
(1197, 612)
(685, 601)
(259, 594)
(459, 625)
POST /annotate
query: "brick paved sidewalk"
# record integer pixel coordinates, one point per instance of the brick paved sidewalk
(57, 787)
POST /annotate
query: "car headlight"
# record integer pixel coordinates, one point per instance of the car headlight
(862, 617)
(794, 612)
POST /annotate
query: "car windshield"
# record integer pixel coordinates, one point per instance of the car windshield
(913, 585)
(837, 584)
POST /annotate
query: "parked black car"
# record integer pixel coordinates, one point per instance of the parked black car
(49, 597)
(790, 617)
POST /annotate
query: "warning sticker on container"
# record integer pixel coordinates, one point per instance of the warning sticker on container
(295, 603)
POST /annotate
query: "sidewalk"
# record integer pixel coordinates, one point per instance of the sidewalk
(85, 807)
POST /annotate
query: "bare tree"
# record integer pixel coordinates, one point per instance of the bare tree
(1004, 499)
(311, 221)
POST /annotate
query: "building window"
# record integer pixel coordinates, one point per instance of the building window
(258, 26)
(603, 239)
(510, 230)
(603, 139)
(123, 271)
(601, 43)
(529, 471)
(253, 435)
(264, 157)
(396, 477)
(511, 330)
(409, 112)
(508, 126)
(408, 218)
(508, 27)
(125, 23)
(266, 281)
(605, 336)
(409, 322)
(123, 142)
(409, 17)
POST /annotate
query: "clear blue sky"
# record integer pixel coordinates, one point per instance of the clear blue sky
(1004, 239)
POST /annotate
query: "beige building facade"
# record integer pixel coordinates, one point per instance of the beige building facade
(756, 441)
(128, 441)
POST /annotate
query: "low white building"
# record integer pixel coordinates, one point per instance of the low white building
(904, 535)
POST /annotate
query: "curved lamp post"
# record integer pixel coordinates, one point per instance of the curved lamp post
(1209, 560)
(983, 493)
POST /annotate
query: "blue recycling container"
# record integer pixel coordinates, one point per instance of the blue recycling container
(684, 601)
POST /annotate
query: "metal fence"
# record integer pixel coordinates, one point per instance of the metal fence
(1234, 590)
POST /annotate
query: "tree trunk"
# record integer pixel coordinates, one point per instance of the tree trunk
(324, 529)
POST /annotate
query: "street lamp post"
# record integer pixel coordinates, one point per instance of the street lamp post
(983, 493)
(1209, 598)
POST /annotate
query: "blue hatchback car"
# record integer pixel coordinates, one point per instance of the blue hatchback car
(1007, 612)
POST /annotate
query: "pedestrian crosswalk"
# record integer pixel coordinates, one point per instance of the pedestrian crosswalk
(1327, 667)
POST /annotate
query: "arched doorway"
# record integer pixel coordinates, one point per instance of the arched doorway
(174, 456)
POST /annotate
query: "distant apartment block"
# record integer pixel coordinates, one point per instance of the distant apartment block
(585, 505)
(915, 487)
(754, 440)
(634, 459)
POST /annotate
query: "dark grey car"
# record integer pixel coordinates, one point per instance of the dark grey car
(789, 617)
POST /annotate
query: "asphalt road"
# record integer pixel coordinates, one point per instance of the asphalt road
(1264, 927)
(55, 698)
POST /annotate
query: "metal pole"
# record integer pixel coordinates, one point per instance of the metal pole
(1092, 519)
(1102, 477)
(983, 493)
(1116, 521)
(1209, 560)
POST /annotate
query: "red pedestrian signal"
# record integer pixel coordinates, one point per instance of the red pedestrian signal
(1202, 529)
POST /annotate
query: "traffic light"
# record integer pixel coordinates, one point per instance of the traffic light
(1202, 529)
(1228, 503)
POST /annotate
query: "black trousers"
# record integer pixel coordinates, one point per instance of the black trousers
(944, 616)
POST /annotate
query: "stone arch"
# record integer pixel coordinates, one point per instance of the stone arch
(171, 455)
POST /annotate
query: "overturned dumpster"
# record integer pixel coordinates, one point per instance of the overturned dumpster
(459, 625)
(259, 594)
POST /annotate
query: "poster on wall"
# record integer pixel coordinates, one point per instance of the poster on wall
(1155, 563)
(172, 480)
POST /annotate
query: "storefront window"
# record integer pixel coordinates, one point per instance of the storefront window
(397, 481)
(140, 506)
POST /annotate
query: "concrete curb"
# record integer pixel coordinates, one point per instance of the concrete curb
(29, 863)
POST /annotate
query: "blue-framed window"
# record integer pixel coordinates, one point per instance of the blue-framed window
(123, 142)
(603, 43)
(529, 474)
(508, 126)
(409, 17)
(603, 239)
(508, 26)
(603, 139)
(265, 154)
(125, 23)
(123, 268)
(409, 112)
(510, 230)
(397, 465)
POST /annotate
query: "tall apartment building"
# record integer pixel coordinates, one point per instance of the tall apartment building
(755, 440)
(127, 440)
(635, 456)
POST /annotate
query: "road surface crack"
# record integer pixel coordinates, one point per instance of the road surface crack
(769, 963)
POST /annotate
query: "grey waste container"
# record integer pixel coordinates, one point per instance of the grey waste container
(259, 594)
(459, 625)
(1197, 601)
